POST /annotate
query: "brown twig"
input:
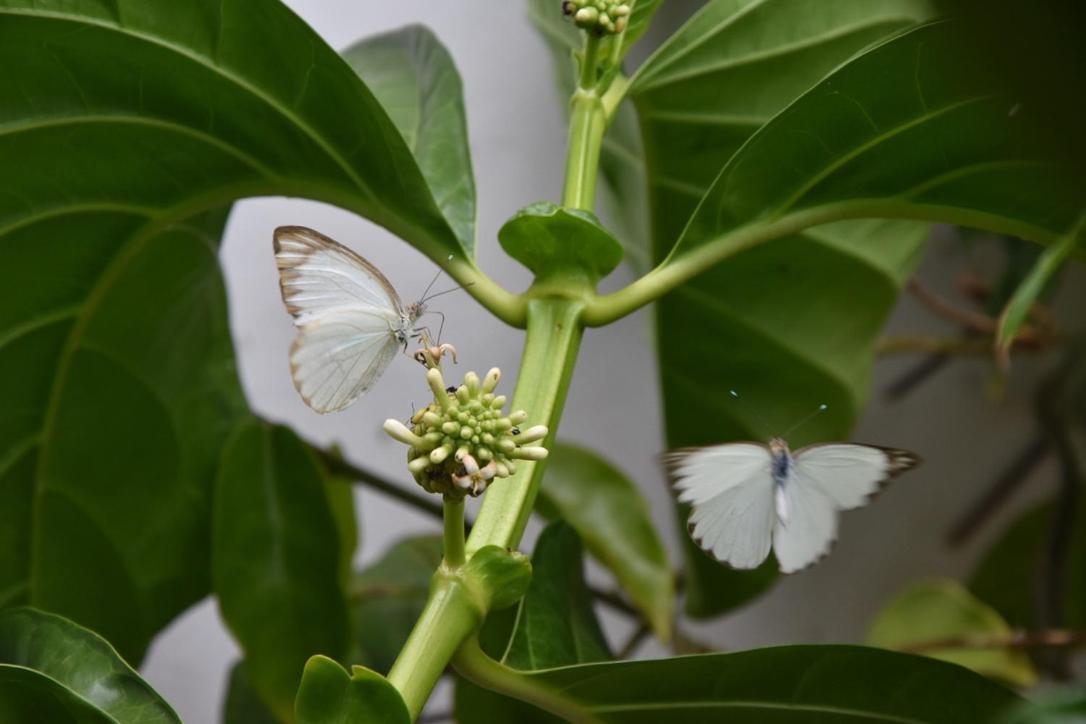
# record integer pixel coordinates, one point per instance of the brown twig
(1001, 490)
(1051, 638)
(634, 641)
(966, 318)
(340, 467)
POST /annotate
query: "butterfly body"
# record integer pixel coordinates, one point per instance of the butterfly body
(747, 498)
(350, 319)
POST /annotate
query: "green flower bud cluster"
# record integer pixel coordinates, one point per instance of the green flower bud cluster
(602, 17)
(462, 441)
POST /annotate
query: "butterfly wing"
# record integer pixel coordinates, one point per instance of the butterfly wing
(806, 530)
(730, 490)
(848, 473)
(828, 478)
(346, 312)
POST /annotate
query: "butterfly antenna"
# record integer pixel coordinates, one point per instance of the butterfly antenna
(821, 408)
(750, 408)
(447, 291)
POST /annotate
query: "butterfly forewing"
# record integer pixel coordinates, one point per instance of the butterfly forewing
(346, 313)
(731, 491)
(848, 473)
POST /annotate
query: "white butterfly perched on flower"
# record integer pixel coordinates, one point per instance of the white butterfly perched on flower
(350, 320)
(747, 498)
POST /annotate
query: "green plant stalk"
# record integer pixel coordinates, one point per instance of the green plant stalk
(473, 664)
(552, 313)
(451, 614)
(454, 533)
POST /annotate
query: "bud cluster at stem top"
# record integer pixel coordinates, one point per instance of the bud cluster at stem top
(462, 440)
(601, 17)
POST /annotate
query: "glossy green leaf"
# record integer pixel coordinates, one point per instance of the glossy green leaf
(801, 684)
(275, 559)
(387, 598)
(329, 695)
(415, 79)
(945, 145)
(119, 387)
(555, 625)
(52, 670)
(612, 518)
(784, 322)
(943, 609)
(1013, 571)
(1030, 289)
(243, 704)
(129, 121)
(551, 240)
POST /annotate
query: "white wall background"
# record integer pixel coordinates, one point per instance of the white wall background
(517, 139)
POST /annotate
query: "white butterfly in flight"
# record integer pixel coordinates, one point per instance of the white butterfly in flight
(350, 320)
(748, 497)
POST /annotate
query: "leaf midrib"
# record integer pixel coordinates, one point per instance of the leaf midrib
(753, 704)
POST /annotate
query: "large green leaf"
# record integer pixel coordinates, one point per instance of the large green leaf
(801, 684)
(387, 598)
(119, 387)
(415, 79)
(52, 670)
(612, 518)
(939, 610)
(275, 559)
(789, 324)
(128, 121)
(912, 128)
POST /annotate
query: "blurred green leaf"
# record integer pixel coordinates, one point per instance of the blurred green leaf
(1010, 574)
(329, 695)
(1033, 285)
(414, 77)
(612, 518)
(275, 559)
(340, 494)
(1060, 707)
(801, 684)
(387, 598)
(555, 625)
(803, 337)
(548, 239)
(53, 671)
(943, 609)
(243, 704)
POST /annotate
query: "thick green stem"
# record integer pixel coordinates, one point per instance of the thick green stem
(475, 666)
(452, 613)
(450, 616)
(588, 121)
(550, 350)
(454, 532)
